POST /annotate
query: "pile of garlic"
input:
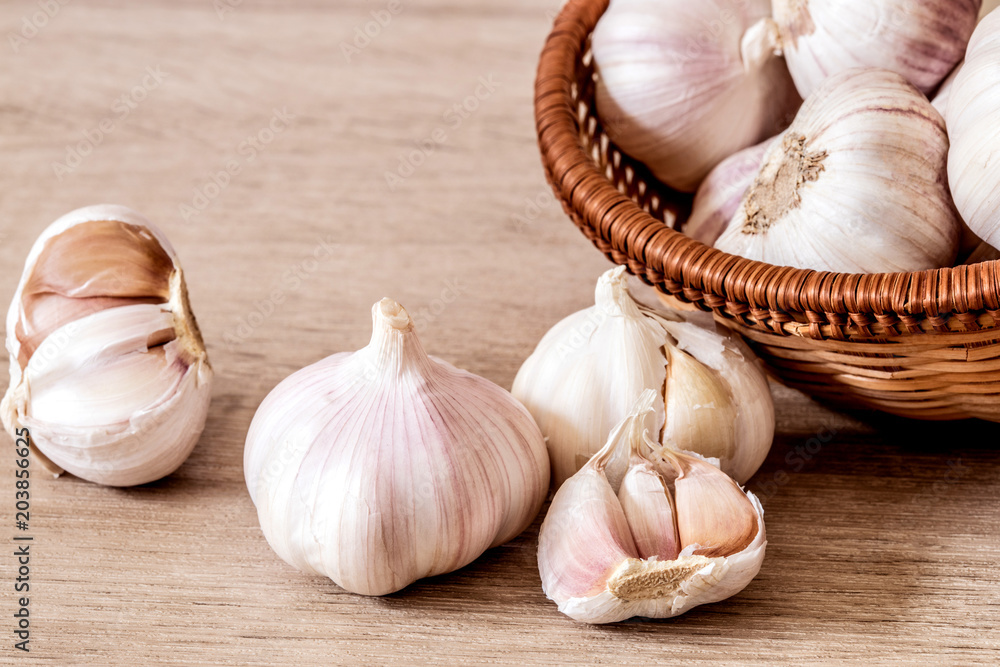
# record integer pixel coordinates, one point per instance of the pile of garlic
(868, 175)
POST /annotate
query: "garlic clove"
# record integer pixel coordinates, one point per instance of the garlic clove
(828, 196)
(382, 466)
(679, 104)
(921, 41)
(108, 369)
(596, 575)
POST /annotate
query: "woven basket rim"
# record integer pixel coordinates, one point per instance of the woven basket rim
(824, 300)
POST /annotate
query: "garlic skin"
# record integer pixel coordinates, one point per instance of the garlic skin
(589, 369)
(720, 194)
(921, 41)
(108, 369)
(943, 94)
(383, 466)
(643, 530)
(855, 185)
(973, 170)
(682, 85)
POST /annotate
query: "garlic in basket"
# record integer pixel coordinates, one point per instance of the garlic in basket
(108, 370)
(972, 115)
(383, 466)
(720, 194)
(682, 85)
(922, 41)
(645, 530)
(589, 369)
(856, 184)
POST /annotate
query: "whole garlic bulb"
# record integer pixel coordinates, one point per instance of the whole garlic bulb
(383, 466)
(720, 194)
(108, 370)
(644, 530)
(943, 94)
(683, 85)
(973, 109)
(590, 368)
(921, 41)
(856, 184)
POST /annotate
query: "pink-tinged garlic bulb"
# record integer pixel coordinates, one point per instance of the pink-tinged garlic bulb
(921, 41)
(682, 85)
(108, 370)
(972, 118)
(383, 466)
(720, 194)
(855, 185)
(645, 530)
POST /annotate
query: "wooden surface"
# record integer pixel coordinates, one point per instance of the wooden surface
(883, 540)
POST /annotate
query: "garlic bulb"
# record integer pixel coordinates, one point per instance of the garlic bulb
(108, 370)
(383, 466)
(943, 94)
(683, 85)
(644, 530)
(589, 369)
(855, 185)
(973, 168)
(922, 41)
(720, 194)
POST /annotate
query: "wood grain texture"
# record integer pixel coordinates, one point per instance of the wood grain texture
(883, 543)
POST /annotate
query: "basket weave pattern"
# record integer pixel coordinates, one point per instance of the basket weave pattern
(923, 344)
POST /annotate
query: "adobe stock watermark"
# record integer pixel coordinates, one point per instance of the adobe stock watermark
(214, 185)
(33, 24)
(290, 281)
(453, 288)
(796, 459)
(453, 117)
(121, 108)
(532, 209)
(366, 33)
(224, 7)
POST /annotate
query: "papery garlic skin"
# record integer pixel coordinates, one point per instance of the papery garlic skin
(720, 194)
(383, 466)
(855, 185)
(589, 369)
(921, 41)
(943, 94)
(588, 557)
(680, 103)
(973, 108)
(108, 368)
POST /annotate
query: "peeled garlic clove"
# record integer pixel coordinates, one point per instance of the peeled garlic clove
(720, 194)
(829, 195)
(591, 367)
(383, 466)
(682, 104)
(595, 574)
(108, 369)
(973, 170)
(921, 41)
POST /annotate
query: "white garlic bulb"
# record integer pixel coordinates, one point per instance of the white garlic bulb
(943, 94)
(720, 194)
(383, 466)
(973, 110)
(922, 41)
(682, 85)
(856, 184)
(644, 530)
(108, 370)
(590, 368)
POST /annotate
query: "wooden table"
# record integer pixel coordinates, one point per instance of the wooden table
(884, 539)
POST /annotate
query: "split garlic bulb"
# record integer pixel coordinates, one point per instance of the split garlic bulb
(644, 530)
(720, 194)
(383, 466)
(856, 184)
(108, 370)
(973, 110)
(683, 85)
(590, 368)
(921, 41)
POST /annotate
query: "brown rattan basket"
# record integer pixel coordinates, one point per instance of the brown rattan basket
(924, 345)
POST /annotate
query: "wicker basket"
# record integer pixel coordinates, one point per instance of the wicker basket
(924, 345)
